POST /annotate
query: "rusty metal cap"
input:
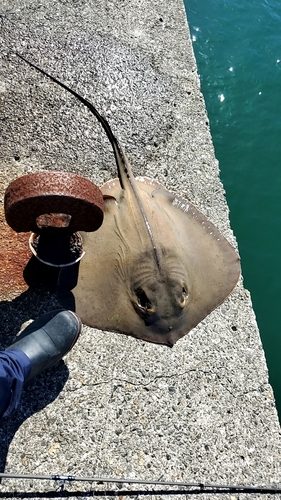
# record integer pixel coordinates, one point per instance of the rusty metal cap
(34, 195)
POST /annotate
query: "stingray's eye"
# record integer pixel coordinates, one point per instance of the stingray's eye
(184, 295)
(143, 301)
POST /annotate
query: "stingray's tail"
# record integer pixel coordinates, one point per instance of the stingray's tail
(122, 163)
(125, 173)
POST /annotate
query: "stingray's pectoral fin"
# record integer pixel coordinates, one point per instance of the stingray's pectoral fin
(170, 198)
(212, 265)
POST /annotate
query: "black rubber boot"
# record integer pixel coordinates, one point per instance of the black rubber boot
(48, 339)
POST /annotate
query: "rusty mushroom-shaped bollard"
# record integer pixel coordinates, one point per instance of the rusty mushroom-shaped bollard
(54, 206)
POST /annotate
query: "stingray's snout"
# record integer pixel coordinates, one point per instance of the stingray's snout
(159, 325)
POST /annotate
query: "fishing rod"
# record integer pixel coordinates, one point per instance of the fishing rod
(209, 488)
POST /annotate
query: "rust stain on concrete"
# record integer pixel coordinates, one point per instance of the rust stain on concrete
(14, 255)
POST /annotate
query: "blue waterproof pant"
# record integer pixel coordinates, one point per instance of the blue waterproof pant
(15, 367)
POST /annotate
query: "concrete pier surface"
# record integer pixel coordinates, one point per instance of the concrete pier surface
(202, 411)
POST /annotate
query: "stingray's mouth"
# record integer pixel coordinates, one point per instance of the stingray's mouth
(156, 322)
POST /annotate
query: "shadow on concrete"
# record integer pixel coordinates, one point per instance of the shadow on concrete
(49, 288)
(103, 493)
(31, 304)
(37, 274)
(40, 392)
(56, 281)
(136, 493)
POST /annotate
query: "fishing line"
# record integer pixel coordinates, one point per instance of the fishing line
(204, 488)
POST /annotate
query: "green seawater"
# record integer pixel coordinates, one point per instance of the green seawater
(238, 51)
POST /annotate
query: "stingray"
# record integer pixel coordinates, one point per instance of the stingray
(157, 266)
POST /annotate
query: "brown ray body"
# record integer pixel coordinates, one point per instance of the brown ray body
(157, 266)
